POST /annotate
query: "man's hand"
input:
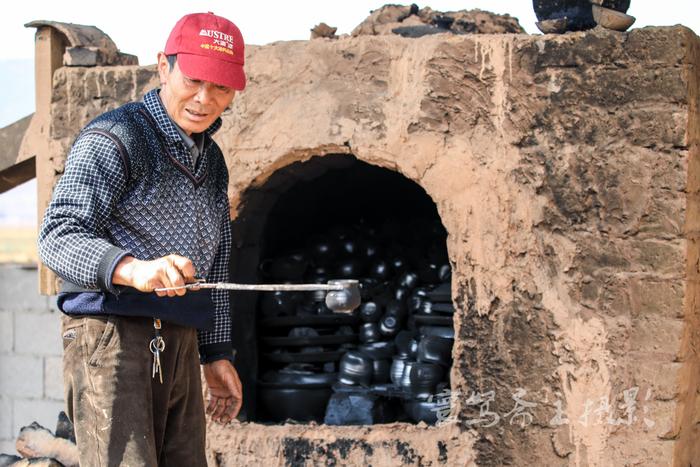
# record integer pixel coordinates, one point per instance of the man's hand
(168, 271)
(225, 391)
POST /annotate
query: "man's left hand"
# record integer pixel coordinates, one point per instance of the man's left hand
(225, 391)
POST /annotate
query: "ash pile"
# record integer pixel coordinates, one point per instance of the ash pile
(413, 21)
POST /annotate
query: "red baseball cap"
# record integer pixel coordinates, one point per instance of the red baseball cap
(209, 48)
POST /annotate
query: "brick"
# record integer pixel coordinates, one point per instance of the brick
(659, 257)
(660, 297)
(661, 415)
(6, 332)
(5, 419)
(660, 335)
(53, 378)
(38, 333)
(43, 412)
(21, 376)
(22, 285)
(661, 377)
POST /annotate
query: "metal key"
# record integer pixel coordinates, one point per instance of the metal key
(156, 346)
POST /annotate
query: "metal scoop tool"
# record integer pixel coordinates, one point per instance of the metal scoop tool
(342, 295)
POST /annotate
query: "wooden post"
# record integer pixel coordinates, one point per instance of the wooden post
(48, 57)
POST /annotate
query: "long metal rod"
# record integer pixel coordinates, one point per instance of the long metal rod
(258, 287)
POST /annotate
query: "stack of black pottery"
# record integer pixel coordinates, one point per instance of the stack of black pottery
(382, 362)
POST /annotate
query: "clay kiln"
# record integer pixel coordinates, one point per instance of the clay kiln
(564, 171)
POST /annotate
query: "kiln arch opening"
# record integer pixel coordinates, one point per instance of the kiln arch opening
(335, 217)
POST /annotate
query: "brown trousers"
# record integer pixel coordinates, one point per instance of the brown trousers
(122, 416)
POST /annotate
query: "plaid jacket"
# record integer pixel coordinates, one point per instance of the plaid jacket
(130, 188)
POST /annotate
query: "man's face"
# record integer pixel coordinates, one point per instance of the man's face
(192, 104)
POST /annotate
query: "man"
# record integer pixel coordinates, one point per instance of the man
(142, 205)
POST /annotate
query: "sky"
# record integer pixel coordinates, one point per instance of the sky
(141, 28)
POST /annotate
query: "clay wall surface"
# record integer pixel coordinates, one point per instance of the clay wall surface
(564, 169)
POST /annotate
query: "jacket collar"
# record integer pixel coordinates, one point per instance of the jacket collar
(155, 107)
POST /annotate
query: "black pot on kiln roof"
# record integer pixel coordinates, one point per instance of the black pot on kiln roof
(618, 5)
(578, 13)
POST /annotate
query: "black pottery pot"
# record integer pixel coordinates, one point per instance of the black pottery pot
(370, 312)
(369, 332)
(323, 251)
(303, 403)
(389, 326)
(396, 308)
(355, 368)
(429, 274)
(424, 378)
(299, 377)
(370, 250)
(380, 371)
(380, 270)
(617, 5)
(578, 13)
(433, 349)
(396, 370)
(398, 264)
(405, 381)
(290, 268)
(446, 332)
(444, 273)
(350, 269)
(423, 411)
(416, 299)
(350, 247)
(403, 342)
(408, 280)
(401, 294)
(278, 303)
(378, 350)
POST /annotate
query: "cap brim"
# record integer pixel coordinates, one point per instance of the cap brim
(210, 69)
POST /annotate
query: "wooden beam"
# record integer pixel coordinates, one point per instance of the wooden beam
(17, 174)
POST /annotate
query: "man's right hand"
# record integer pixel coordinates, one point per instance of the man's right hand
(168, 271)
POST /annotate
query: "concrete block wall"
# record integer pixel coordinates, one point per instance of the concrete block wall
(31, 377)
